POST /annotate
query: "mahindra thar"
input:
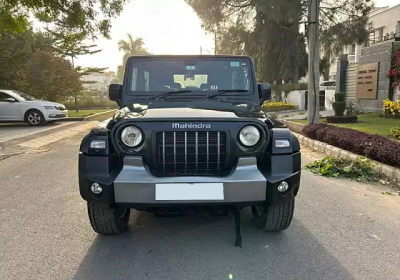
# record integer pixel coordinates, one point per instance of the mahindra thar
(190, 136)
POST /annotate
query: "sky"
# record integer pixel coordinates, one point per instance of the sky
(166, 26)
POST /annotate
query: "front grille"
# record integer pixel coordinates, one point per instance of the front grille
(191, 152)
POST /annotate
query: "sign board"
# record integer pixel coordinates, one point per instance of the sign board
(367, 81)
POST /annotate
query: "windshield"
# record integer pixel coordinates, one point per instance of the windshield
(24, 96)
(200, 75)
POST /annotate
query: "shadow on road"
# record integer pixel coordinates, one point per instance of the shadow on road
(203, 248)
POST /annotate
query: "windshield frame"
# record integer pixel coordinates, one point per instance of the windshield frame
(23, 95)
(133, 95)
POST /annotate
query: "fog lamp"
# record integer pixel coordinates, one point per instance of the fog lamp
(283, 186)
(96, 188)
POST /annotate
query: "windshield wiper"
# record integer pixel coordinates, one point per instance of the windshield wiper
(223, 91)
(170, 93)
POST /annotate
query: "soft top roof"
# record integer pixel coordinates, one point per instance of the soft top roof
(190, 56)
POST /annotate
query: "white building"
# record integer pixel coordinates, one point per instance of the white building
(385, 25)
(98, 81)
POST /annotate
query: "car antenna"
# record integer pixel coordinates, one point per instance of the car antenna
(236, 213)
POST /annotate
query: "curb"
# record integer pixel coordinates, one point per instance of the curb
(380, 168)
(106, 114)
(293, 126)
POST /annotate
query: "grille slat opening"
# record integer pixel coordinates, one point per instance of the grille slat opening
(191, 152)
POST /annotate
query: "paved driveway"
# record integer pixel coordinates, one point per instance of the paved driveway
(11, 131)
(341, 230)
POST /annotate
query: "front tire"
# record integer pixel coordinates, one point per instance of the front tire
(275, 217)
(34, 118)
(106, 220)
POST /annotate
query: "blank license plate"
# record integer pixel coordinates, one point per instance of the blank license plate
(187, 191)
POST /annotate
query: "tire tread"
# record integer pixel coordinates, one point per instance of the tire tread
(275, 217)
(105, 221)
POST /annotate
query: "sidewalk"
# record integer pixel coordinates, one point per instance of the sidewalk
(301, 115)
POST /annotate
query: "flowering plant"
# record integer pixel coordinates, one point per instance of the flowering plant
(394, 71)
(391, 109)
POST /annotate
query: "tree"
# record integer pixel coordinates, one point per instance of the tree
(48, 77)
(70, 44)
(15, 51)
(89, 16)
(353, 30)
(272, 29)
(130, 47)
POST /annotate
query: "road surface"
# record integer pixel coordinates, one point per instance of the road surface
(11, 131)
(341, 230)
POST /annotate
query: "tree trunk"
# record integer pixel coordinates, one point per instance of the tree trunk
(76, 99)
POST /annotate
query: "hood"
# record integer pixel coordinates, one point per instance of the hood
(44, 103)
(190, 110)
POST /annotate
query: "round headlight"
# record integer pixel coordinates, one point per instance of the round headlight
(249, 135)
(131, 136)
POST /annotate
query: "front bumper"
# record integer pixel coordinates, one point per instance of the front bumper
(135, 187)
(55, 115)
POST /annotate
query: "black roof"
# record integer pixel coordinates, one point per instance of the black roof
(190, 56)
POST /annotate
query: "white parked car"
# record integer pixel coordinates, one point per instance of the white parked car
(19, 106)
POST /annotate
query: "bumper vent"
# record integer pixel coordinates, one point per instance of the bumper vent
(191, 152)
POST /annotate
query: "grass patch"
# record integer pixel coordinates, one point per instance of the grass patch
(369, 123)
(85, 113)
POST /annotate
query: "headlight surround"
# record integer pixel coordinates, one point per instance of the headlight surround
(249, 136)
(131, 136)
(50, 107)
(282, 143)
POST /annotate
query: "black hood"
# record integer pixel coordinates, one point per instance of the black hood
(189, 109)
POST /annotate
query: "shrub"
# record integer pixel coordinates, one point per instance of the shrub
(339, 106)
(395, 132)
(369, 145)
(391, 109)
(350, 109)
(270, 106)
(341, 119)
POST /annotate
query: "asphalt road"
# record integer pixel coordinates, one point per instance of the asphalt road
(11, 131)
(341, 230)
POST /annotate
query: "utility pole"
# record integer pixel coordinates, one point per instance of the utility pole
(313, 62)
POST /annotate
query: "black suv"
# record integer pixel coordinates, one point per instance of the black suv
(190, 136)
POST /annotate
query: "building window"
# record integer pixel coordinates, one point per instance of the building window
(353, 49)
(398, 28)
(379, 34)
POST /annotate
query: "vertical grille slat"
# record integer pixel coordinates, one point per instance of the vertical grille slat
(208, 146)
(185, 151)
(190, 152)
(197, 150)
(163, 147)
(218, 148)
(175, 151)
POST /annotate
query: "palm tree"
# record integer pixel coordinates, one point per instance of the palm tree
(130, 47)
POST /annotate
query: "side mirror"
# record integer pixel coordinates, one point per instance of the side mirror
(11, 100)
(264, 92)
(114, 92)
